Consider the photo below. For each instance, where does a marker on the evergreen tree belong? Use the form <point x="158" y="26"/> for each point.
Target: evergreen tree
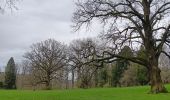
<point x="121" y="66"/>
<point x="142" y="71"/>
<point x="10" y="75"/>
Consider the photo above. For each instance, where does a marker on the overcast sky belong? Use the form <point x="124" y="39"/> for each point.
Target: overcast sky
<point x="36" y="20"/>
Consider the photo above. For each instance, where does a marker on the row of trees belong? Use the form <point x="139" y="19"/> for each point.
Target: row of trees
<point x="76" y="64"/>
<point x="51" y="59"/>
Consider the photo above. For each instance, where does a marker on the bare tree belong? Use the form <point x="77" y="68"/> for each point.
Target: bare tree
<point x="82" y="53"/>
<point x="131" y="22"/>
<point x="47" y="58"/>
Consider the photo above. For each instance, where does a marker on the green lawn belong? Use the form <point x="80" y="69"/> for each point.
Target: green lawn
<point x="130" y="93"/>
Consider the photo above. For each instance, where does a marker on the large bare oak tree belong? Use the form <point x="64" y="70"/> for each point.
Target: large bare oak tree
<point x="47" y="58"/>
<point x="132" y="22"/>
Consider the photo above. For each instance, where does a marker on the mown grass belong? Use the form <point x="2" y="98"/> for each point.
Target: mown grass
<point x="129" y="93"/>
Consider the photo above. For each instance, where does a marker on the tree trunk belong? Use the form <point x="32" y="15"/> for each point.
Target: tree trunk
<point x="157" y="85"/>
<point x="48" y="86"/>
<point x="67" y="81"/>
<point x="72" y="79"/>
<point x="78" y="83"/>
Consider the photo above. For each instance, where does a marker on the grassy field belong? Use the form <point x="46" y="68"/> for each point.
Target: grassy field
<point x="130" y="93"/>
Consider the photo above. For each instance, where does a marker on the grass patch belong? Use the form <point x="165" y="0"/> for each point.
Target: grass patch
<point x="128" y="93"/>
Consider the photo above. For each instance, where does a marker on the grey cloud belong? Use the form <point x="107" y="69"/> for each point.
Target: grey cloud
<point x="37" y="20"/>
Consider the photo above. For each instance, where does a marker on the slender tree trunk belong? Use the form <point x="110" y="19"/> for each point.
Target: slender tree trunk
<point x="67" y="81"/>
<point x="78" y="78"/>
<point x="72" y="78"/>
